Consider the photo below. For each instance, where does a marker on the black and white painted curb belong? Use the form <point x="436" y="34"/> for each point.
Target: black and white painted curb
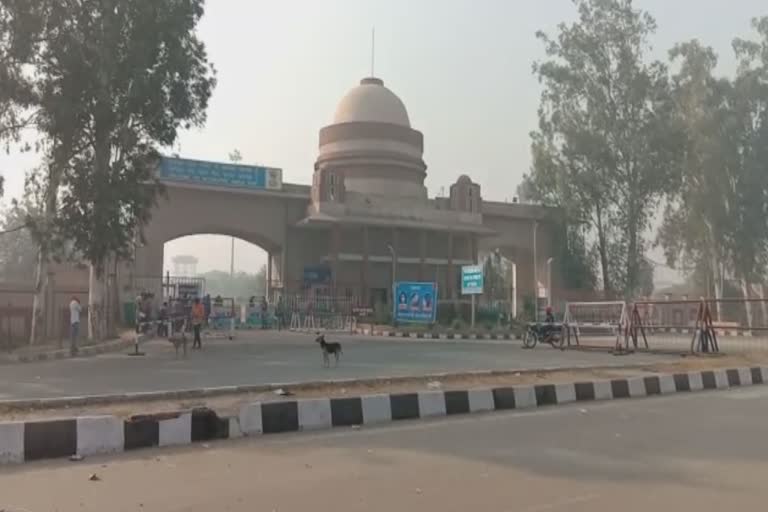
<point x="96" y="435"/>
<point x="495" y="335"/>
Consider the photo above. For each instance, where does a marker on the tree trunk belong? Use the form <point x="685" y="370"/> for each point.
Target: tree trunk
<point x="603" y="249"/>
<point x="763" y="305"/>
<point x="747" y="305"/>
<point x="97" y="293"/>
<point x="39" y="312"/>
<point x="45" y="232"/>
<point x="717" y="279"/>
<point x="632" y="261"/>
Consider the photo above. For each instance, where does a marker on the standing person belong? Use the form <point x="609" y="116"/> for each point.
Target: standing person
<point x="139" y="308"/>
<point x="74" y="324"/>
<point x="162" y="318"/>
<point x="198" y="317"/>
<point x="207" y="306"/>
<point x="264" y="312"/>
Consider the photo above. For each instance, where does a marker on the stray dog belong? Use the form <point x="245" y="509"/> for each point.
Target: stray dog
<point x="328" y="349"/>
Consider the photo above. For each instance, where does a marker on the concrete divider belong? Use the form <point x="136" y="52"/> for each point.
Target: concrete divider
<point x="175" y="431"/>
<point x="431" y="404"/>
<point x="480" y="400"/>
<point x="314" y="414"/>
<point x="525" y="397"/>
<point x="721" y="379"/>
<point x="249" y="420"/>
<point x="99" y="435"/>
<point x="11" y="442"/>
<point x="89" y="435"/>
<point x="603" y="390"/>
<point x="376" y="409"/>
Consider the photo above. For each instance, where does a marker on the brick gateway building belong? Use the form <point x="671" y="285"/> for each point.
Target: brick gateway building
<point x="366" y="216"/>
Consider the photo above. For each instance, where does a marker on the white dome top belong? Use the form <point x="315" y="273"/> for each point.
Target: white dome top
<point x="373" y="103"/>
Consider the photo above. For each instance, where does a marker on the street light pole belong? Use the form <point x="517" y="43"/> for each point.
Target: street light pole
<point x="549" y="281"/>
<point x="535" y="274"/>
<point x="393" y="254"/>
<point x="232" y="259"/>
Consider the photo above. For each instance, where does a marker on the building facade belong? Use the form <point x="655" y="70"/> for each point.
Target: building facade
<point x="365" y="221"/>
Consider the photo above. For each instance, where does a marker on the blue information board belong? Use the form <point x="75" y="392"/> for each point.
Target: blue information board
<point x="472" y="280"/>
<point x="317" y="275"/>
<point x="415" y="303"/>
<point x="220" y="174"/>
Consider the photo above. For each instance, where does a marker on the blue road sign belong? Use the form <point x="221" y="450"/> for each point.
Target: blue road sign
<point x="220" y="174"/>
<point x="472" y="280"/>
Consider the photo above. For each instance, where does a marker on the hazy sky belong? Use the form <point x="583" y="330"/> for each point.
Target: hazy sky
<point x="462" y="67"/>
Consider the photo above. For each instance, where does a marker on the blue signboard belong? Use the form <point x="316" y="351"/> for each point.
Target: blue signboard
<point x="219" y="174"/>
<point x="415" y="303"/>
<point x="472" y="280"/>
<point x="317" y="275"/>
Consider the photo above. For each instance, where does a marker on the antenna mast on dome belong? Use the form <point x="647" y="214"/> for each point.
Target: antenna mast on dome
<point x="373" y="51"/>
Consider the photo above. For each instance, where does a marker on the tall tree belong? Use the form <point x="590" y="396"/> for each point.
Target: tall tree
<point x="20" y="28"/>
<point x="18" y="250"/>
<point x="24" y="91"/>
<point x="119" y="79"/>
<point x="606" y="145"/>
<point x="697" y="219"/>
<point x="749" y="236"/>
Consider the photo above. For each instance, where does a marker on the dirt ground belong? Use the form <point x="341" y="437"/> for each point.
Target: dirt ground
<point x="230" y="404"/>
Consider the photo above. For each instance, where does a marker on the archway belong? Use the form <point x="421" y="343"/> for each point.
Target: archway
<point x="230" y="266"/>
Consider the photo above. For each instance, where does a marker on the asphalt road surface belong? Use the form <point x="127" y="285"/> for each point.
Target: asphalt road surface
<point x="702" y="452"/>
<point x="264" y="358"/>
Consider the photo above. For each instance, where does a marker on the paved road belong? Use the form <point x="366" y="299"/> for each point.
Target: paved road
<point x="704" y="452"/>
<point x="260" y="358"/>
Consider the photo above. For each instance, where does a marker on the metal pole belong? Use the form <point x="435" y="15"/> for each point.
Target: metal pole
<point x="549" y="282"/>
<point x="232" y="259"/>
<point x="473" y="311"/>
<point x="394" y="279"/>
<point x="394" y="262"/>
<point x="535" y="275"/>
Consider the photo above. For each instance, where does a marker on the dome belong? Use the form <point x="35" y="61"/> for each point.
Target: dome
<point x="371" y="102"/>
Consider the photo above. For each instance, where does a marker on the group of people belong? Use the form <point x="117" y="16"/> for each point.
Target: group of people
<point x="197" y="310"/>
<point x="280" y="312"/>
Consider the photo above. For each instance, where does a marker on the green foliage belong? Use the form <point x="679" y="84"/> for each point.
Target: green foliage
<point x="575" y="263"/>
<point x="716" y="218"/>
<point x="20" y="25"/>
<point x="241" y="287"/>
<point x="529" y="309"/>
<point x="606" y="149"/>
<point x="18" y="251"/>
<point x="112" y="82"/>
<point x="497" y="278"/>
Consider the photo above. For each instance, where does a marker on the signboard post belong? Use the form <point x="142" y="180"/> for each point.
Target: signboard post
<point x="472" y="284"/>
<point x="415" y="303"/>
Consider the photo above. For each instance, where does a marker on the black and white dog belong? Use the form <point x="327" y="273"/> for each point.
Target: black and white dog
<point x="328" y="349"/>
